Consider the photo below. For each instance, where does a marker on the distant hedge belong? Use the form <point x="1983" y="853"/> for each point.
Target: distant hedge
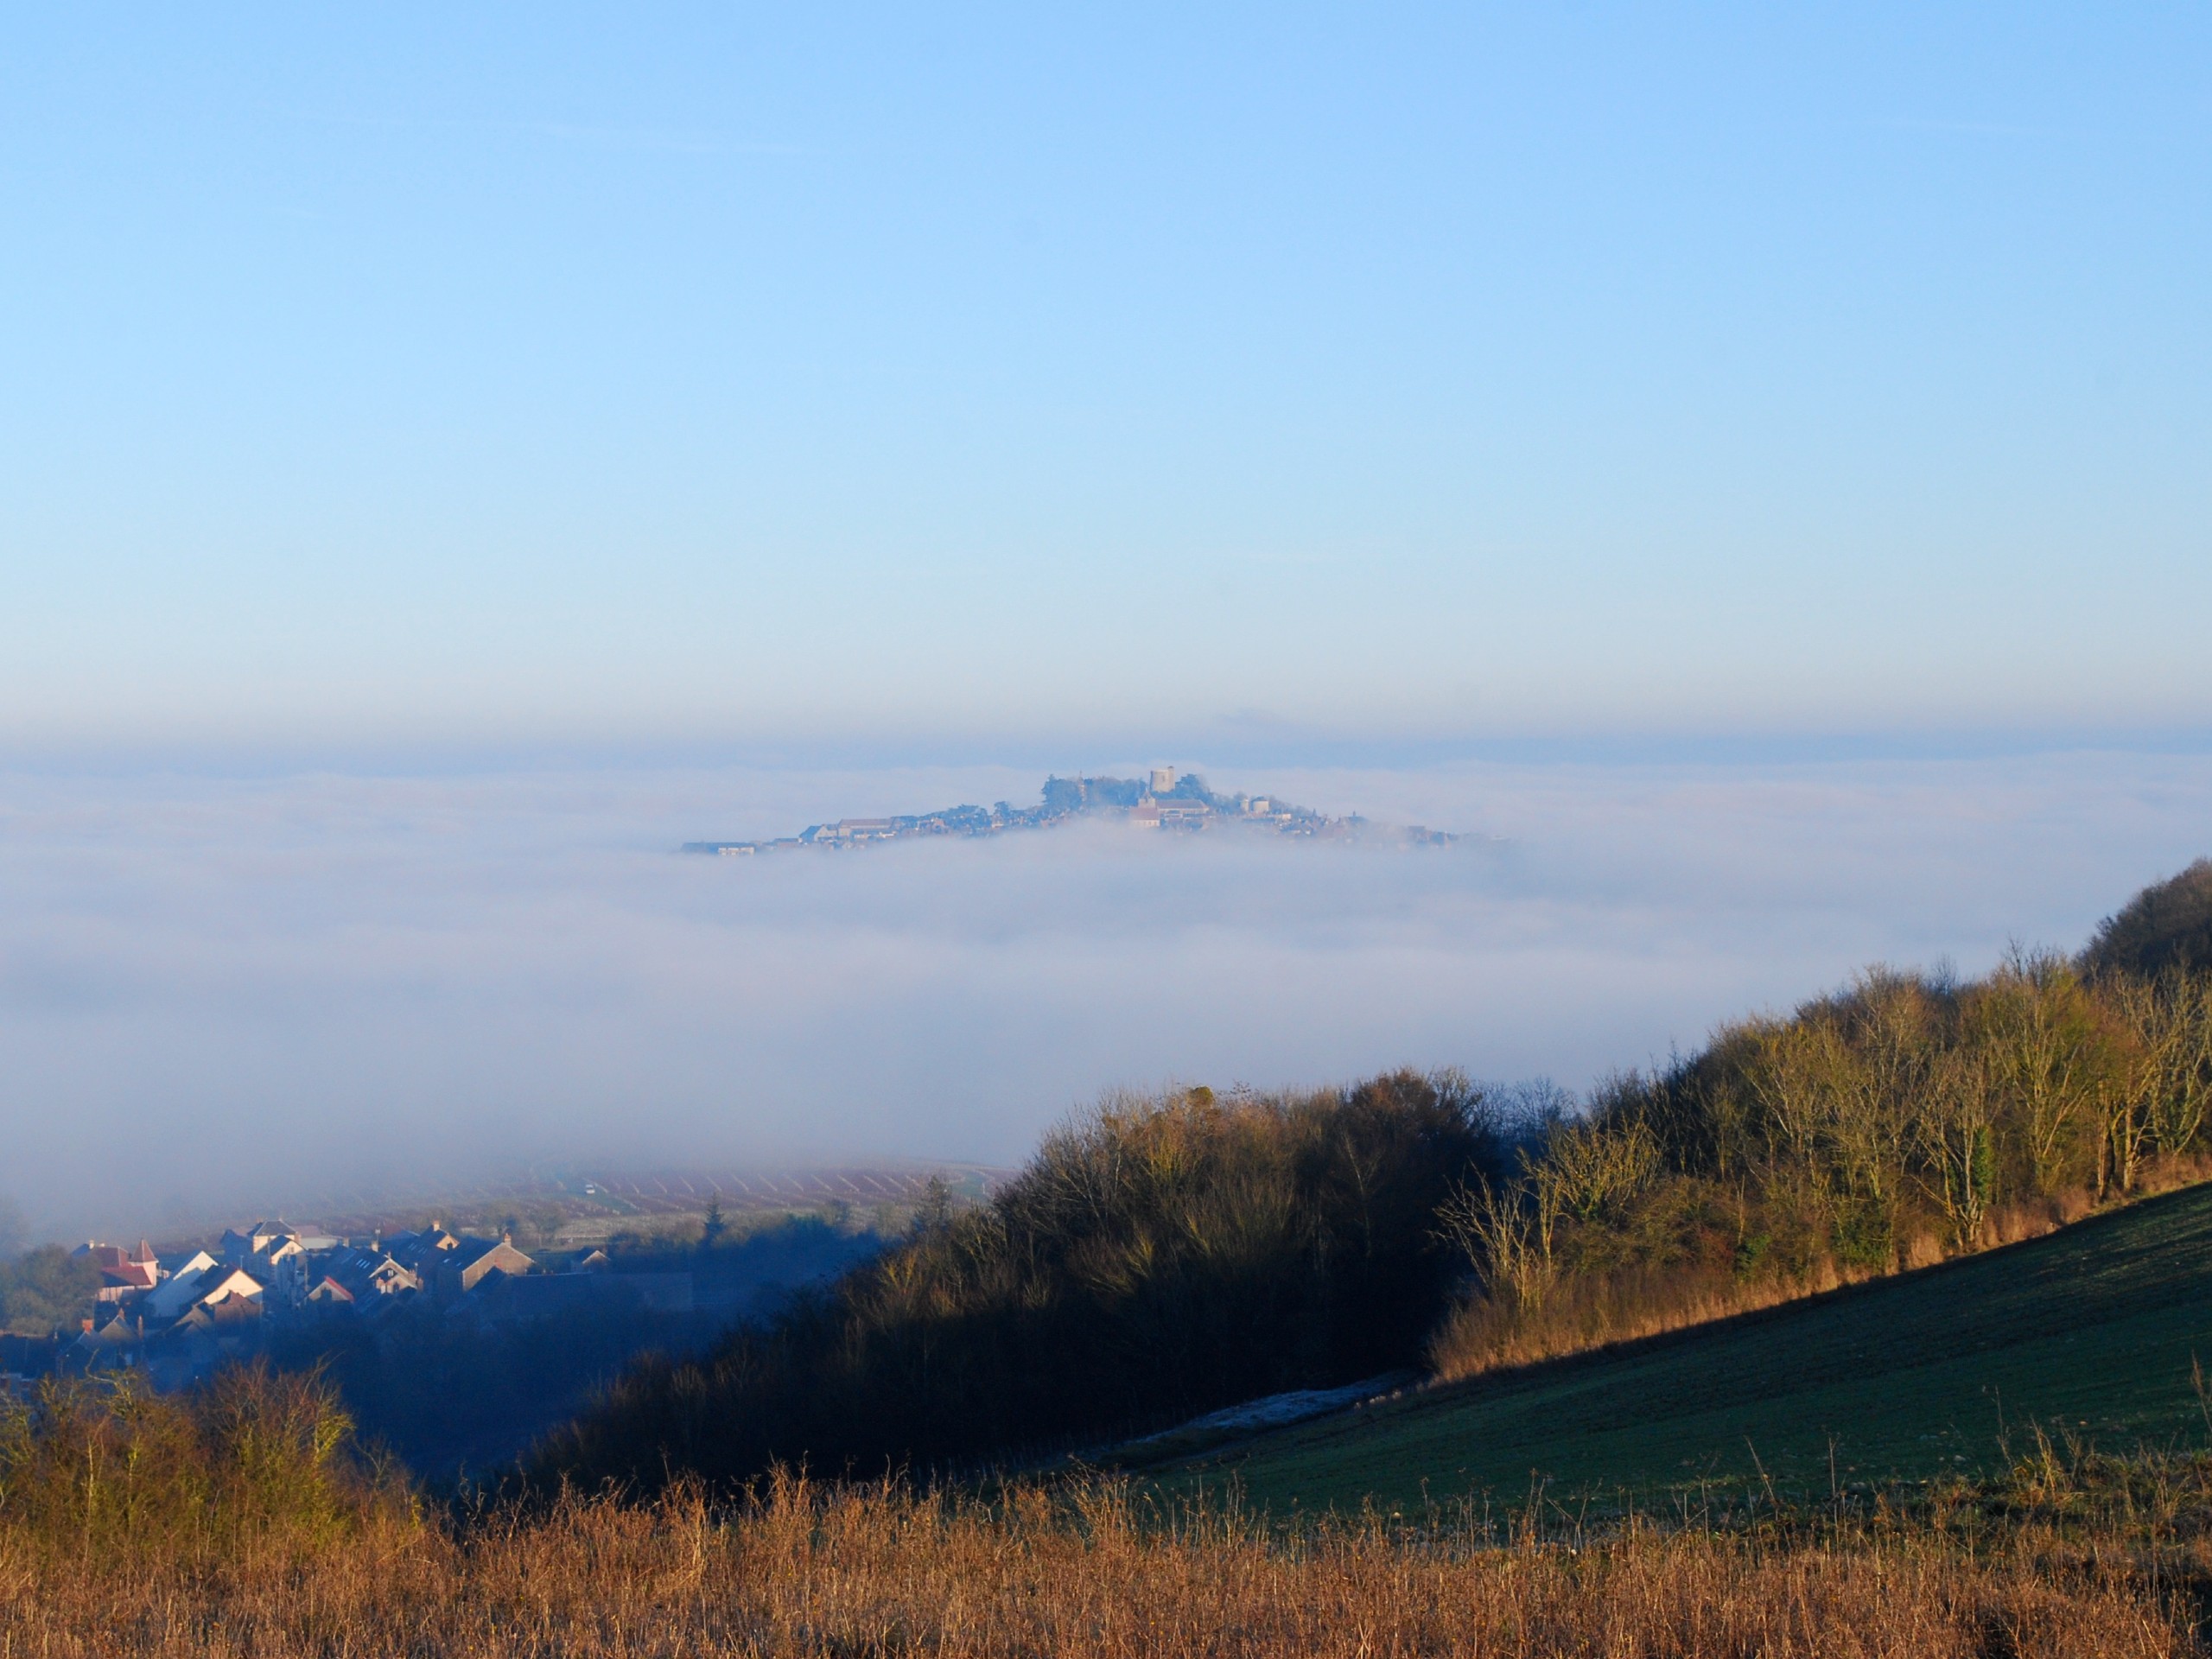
<point x="2166" y="925"/>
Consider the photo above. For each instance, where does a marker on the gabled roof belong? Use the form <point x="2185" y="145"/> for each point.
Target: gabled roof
<point x="220" y="1285"/>
<point x="479" y="1258"/>
<point x="470" y="1251"/>
<point x="232" y="1309"/>
<point x="263" y="1229"/>
<point x="419" y="1249"/>
<point x="359" y="1272"/>
<point x="121" y="1331"/>
<point x="116" y="1265"/>
<point x="181" y="1288"/>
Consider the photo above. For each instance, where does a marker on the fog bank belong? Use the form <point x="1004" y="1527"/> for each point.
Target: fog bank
<point x="225" y="991"/>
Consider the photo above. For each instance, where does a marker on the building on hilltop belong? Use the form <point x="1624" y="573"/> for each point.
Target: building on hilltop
<point x="219" y="1285"/>
<point x="1173" y="813"/>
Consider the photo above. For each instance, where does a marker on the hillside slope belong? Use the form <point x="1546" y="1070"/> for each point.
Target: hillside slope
<point x="1154" y="1259"/>
<point x="2094" y="1327"/>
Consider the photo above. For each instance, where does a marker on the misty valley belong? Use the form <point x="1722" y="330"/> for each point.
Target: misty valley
<point x="1133" y="832"/>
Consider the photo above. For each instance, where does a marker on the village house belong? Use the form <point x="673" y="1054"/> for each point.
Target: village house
<point x="124" y="1276"/>
<point x="358" y="1277"/>
<point x="175" y="1292"/>
<point x="231" y="1290"/>
<point x="477" y="1259"/>
<point x="179" y="1317"/>
<point x="240" y="1243"/>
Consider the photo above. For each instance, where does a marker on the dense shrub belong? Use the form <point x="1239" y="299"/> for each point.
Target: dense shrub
<point x="45" y="1290"/>
<point x="1157" y="1259"/>
<point x="105" y="1468"/>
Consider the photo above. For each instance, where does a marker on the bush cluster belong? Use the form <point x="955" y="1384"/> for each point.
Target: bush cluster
<point x="46" y="1289"/>
<point x="105" y="1469"/>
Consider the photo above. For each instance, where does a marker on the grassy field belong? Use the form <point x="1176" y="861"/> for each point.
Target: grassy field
<point x="2092" y="1329"/>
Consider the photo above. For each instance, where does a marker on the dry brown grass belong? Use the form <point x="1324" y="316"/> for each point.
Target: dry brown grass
<point x="235" y="1523"/>
<point x="1579" y="1314"/>
<point x="1083" y="1571"/>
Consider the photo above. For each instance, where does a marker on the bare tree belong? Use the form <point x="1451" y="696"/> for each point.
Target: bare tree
<point x="1790" y="1075"/>
<point x="2033" y="1021"/>
<point x="1589" y="1168"/>
<point x="1880" y="1080"/>
<point x="2129" y="1102"/>
<point x="1955" y="1142"/>
<point x="2182" y="1015"/>
<point x="1507" y="1232"/>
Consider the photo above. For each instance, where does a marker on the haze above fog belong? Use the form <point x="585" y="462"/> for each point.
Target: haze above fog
<point x="243" y="990"/>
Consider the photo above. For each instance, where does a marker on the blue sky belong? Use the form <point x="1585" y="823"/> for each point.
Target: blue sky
<point x="418" y="376"/>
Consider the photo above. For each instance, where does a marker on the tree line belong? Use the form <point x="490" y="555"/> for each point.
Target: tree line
<point x="1906" y="1118"/>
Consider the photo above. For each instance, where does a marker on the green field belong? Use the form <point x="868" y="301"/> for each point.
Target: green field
<point x="2093" y="1328"/>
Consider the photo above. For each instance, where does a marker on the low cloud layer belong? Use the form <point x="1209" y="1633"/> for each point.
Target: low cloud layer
<point x="235" y="991"/>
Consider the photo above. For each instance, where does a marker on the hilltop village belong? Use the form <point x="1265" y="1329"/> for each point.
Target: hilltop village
<point x="1166" y="800"/>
